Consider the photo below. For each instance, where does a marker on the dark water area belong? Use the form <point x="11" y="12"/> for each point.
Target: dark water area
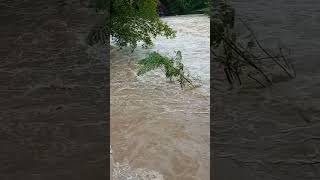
<point x="53" y="93"/>
<point x="273" y="133"/>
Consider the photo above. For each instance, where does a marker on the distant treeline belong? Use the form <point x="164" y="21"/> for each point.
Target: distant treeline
<point x="180" y="7"/>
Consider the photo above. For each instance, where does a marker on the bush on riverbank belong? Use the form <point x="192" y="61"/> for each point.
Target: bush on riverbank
<point x="180" y="7"/>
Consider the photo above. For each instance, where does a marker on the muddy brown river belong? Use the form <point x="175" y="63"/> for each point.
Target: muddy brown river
<point x="154" y="124"/>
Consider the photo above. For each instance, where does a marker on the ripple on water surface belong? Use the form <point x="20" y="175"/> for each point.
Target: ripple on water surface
<point x="156" y="125"/>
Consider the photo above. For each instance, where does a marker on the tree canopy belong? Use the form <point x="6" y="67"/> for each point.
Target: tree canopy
<point x="136" y="20"/>
<point x="132" y="21"/>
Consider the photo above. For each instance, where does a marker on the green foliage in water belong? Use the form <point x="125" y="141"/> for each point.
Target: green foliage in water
<point x="173" y="67"/>
<point x="155" y="60"/>
<point x="133" y="21"/>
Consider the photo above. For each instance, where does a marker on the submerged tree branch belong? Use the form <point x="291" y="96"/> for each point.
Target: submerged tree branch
<point x="240" y="61"/>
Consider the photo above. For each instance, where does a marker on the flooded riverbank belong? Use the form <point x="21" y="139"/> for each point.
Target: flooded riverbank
<point x="155" y="124"/>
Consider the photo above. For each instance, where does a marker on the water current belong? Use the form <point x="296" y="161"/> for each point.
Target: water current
<point x="155" y="124"/>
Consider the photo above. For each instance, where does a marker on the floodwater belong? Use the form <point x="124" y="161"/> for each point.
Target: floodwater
<point x="154" y="124"/>
<point x="273" y="133"/>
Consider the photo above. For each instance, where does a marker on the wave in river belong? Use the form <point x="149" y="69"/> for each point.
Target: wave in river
<point x="155" y="124"/>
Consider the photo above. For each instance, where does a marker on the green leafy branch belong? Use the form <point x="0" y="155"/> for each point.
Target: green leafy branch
<point x="129" y="22"/>
<point x="173" y="68"/>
